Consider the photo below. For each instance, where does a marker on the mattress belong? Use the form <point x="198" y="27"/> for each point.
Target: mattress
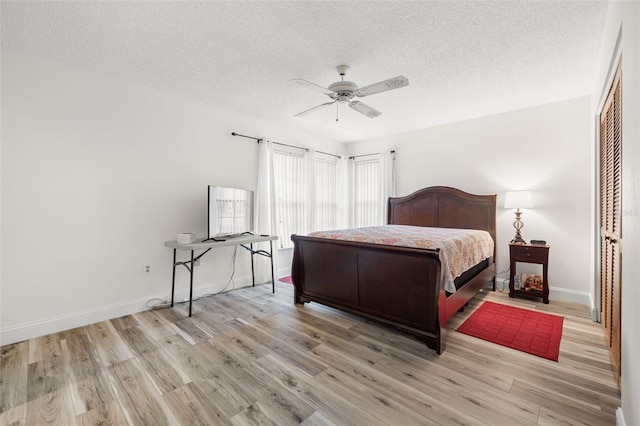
<point x="459" y="249"/>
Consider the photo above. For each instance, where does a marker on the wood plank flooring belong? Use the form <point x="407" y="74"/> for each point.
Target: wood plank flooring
<point x="251" y="357"/>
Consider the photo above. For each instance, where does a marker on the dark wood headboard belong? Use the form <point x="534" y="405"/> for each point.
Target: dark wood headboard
<point x="444" y="207"/>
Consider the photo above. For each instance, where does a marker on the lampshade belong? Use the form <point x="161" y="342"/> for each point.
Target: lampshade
<point x="518" y="200"/>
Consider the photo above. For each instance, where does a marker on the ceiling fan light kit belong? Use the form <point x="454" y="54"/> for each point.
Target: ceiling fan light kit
<point x="344" y="91"/>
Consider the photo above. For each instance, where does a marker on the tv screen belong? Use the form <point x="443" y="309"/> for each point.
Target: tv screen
<point x="230" y="211"/>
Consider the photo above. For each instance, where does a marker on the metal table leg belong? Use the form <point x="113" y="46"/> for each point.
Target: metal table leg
<point x="273" y="282"/>
<point x="191" y="283"/>
<point x="173" y="280"/>
<point x="253" y="274"/>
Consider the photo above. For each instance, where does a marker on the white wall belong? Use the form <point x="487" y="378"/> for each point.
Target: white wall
<point x="96" y="175"/>
<point x="543" y="149"/>
<point x="621" y="39"/>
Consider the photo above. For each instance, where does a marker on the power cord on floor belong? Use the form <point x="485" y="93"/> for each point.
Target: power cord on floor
<point x="503" y="281"/>
<point x="163" y="303"/>
<point x="231" y="281"/>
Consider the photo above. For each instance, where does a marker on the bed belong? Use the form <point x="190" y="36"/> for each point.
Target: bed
<point x="396" y="285"/>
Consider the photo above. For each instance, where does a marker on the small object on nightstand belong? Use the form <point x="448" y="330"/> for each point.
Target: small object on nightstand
<point x="538" y="242"/>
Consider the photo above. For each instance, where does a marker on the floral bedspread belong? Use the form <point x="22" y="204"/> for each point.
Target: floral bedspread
<point x="460" y="249"/>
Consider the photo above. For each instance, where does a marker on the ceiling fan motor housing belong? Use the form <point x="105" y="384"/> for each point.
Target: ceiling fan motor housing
<point x="344" y="91"/>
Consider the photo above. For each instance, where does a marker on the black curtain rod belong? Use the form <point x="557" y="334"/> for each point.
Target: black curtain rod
<point x="244" y="136"/>
<point x="366" y="155"/>
<point x="283" y="144"/>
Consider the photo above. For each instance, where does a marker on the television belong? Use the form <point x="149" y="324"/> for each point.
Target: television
<point x="230" y="212"/>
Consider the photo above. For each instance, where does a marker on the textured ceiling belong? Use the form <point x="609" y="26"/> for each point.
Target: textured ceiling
<point x="463" y="59"/>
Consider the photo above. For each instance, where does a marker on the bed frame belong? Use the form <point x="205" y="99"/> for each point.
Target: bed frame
<point x="396" y="286"/>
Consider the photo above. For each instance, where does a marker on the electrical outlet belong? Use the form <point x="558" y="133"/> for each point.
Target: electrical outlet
<point x="146" y="269"/>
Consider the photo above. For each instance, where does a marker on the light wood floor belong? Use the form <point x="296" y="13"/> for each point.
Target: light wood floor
<point x="251" y="357"/>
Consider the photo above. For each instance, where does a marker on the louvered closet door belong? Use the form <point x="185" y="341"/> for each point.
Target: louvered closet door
<point x="610" y="217"/>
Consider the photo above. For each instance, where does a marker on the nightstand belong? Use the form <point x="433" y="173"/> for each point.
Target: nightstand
<point x="529" y="253"/>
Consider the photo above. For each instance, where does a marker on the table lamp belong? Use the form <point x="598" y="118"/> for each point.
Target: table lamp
<point x="517" y="200"/>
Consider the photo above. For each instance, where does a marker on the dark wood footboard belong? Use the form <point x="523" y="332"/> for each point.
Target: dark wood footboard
<point x="397" y="286"/>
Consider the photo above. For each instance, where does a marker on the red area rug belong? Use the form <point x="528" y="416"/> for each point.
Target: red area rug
<point x="527" y="331"/>
<point x="286" y="280"/>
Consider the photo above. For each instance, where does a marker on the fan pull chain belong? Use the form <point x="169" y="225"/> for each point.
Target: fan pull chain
<point x="338" y="103"/>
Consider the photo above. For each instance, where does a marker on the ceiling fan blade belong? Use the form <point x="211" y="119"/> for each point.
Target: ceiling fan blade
<point x="364" y="109"/>
<point x="383" y="86"/>
<point x="314" y="108"/>
<point x="312" y="86"/>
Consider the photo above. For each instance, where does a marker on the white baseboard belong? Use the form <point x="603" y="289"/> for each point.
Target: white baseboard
<point x="620" y="417"/>
<point x="43" y="327"/>
<point x="557" y="293"/>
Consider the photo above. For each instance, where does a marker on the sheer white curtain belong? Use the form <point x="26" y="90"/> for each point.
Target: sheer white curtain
<point x="373" y="184"/>
<point x="342" y="192"/>
<point x="387" y="180"/>
<point x="330" y="206"/>
<point x="310" y="159"/>
<point x="291" y="190"/>
<point x="366" y="193"/>
<point x="299" y="193"/>
<point x="265" y="210"/>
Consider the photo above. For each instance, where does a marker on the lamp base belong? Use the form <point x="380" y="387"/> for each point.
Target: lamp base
<point x="518" y="225"/>
<point x="518" y="240"/>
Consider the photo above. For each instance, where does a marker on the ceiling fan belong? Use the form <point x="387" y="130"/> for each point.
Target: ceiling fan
<point x="344" y="91"/>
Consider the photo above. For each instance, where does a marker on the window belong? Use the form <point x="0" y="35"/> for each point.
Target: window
<point x="310" y="193"/>
<point x="373" y="184"/>
<point x="326" y="195"/>
<point x="367" y="195"/>
<point x="301" y="191"/>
